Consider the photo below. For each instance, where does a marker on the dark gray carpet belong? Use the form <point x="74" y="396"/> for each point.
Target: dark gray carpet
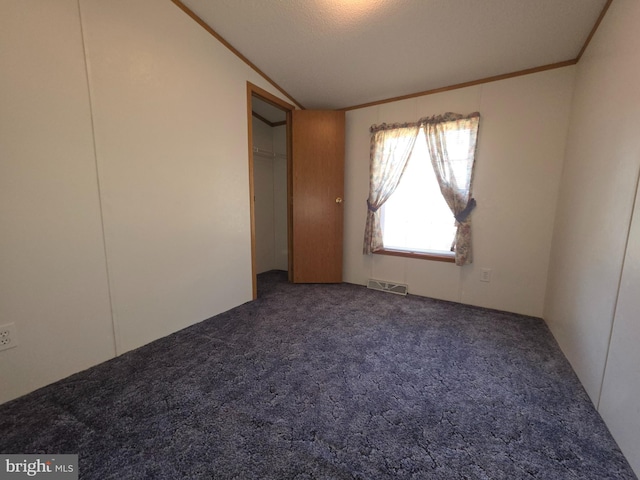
<point x="332" y="382"/>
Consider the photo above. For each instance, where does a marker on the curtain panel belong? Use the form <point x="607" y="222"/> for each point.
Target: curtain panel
<point x="390" y="149"/>
<point x="455" y="181"/>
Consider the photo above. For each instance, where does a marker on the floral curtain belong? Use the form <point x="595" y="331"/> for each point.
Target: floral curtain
<point x="455" y="177"/>
<point x="390" y="149"/>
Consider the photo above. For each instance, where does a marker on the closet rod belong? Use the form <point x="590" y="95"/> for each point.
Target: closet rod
<point x="266" y="153"/>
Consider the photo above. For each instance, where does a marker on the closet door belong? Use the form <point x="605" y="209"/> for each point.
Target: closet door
<point x="620" y="400"/>
<point x="317" y="190"/>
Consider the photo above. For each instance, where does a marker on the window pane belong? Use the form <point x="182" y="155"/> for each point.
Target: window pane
<point x="458" y="149"/>
<point x="416" y="218"/>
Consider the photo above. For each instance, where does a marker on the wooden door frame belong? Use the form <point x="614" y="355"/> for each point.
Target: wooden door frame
<point x="253" y="91"/>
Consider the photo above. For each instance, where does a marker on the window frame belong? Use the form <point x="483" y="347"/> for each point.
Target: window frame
<point x="438" y="257"/>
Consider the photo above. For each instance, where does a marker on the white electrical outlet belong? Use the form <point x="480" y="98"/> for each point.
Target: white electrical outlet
<point x="8" y="337"/>
<point x="485" y="275"/>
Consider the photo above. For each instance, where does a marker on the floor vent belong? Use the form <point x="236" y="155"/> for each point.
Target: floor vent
<point x="397" y="288"/>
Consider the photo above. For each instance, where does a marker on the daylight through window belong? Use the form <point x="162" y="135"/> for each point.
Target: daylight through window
<point x="416" y="218"/>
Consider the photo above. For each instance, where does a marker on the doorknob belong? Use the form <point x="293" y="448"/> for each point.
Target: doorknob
<point x="338" y="200"/>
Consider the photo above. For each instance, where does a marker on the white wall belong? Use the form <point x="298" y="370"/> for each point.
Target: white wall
<point x="53" y="281"/>
<point x="594" y="209"/>
<point x="270" y="187"/>
<point x="619" y="403"/>
<point x="168" y="103"/>
<point x="521" y="145"/>
<point x="263" y="186"/>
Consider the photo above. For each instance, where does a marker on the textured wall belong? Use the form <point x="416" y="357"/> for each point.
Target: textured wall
<point x="594" y="211"/>
<point x="518" y="168"/>
<point x="596" y="195"/>
<point x="168" y="105"/>
<point x="53" y="279"/>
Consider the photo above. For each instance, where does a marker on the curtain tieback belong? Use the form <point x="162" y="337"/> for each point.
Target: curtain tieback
<point x="462" y="216"/>
<point x="371" y="207"/>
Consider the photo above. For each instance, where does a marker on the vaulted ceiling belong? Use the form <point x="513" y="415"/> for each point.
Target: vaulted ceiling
<point x="342" y="53"/>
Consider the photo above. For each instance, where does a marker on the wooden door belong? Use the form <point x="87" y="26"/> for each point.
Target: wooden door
<point x="317" y="190"/>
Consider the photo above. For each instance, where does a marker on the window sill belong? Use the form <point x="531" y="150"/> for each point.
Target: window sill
<point x="438" y="257"/>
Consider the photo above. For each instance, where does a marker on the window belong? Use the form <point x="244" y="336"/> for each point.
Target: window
<point x="419" y="201"/>
<point x="416" y="217"/>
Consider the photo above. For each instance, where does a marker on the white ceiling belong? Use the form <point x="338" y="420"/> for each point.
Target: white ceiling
<point x="340" y="53"/>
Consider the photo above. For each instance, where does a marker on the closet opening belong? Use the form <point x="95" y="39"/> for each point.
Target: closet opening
<point x="269" y="127"/>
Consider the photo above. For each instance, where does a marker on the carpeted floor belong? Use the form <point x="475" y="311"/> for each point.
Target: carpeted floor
<point x="328" y="382"/>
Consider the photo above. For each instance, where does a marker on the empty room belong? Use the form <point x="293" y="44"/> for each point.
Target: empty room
<point x="337" y="239"/>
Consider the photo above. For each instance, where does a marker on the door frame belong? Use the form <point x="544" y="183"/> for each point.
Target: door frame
<point x="253" y="91"/>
